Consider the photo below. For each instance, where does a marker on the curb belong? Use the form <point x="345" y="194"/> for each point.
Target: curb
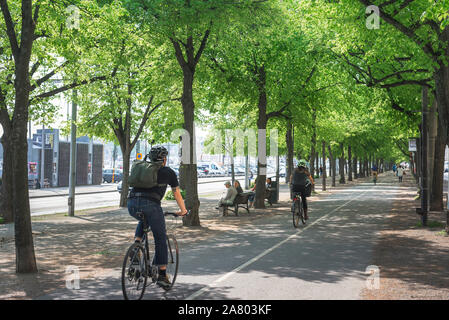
<point x="66" y="194"/>
<point x="95" y="192"/>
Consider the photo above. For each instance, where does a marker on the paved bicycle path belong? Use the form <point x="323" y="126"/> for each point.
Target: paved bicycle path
<point x="269" y="259"/>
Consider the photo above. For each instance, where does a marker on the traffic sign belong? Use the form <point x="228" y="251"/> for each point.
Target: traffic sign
<point x="412" y="145"/>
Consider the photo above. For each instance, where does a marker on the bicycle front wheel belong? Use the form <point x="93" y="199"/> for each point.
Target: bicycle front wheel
<point x="173" y="260"/>
<point x="134" y="273"/>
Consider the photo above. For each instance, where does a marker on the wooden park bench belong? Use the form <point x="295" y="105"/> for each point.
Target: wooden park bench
<point x="240" y="201"/>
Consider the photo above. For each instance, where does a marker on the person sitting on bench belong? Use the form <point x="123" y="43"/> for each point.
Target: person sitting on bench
<point x="230" y="195"/>
<point x="238" y="187"/>
<point x="252" y="194"/>
<point x="268" y="190"/>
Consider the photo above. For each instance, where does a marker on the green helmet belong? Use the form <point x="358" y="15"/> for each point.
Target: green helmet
<point x="302" y="163"/>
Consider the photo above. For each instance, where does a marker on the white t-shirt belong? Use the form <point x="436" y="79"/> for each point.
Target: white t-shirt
<point x="400" y="172"/>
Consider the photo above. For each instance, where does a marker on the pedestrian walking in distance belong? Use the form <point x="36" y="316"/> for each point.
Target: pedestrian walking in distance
<point x="400" y="173"/>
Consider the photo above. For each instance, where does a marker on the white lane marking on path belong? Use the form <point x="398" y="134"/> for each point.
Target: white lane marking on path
<point x="231" y="273"/>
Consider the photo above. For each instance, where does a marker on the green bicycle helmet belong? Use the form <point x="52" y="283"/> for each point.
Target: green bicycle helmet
<point x="302" y="163"/>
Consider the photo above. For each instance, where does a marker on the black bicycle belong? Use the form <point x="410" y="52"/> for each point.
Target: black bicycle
<point x="298" y="210"/>
<point x="139" y="270"/>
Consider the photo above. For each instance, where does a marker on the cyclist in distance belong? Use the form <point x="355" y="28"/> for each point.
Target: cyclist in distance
<point x="148" y="201"/>
<point x="374" y="171"/>
<point x="299" y="180"/>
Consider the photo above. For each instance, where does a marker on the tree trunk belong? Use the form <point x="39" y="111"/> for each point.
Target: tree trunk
<point x="323" y="187"/>
<point x="441" y="77"/>
<point x="125" y="185"/>
<point x="342" y="164"/>
<point x="362" y="168"/>
<point x="191" y="178"/>
<point x="25" y="257"/>
<point x="313" y="146"/>
<point x="366" y="166"/>
<point x="290" y="147"/>
<point x="262" y="126"/>
<point x="333" y="165"/>
<point x="432" y="130"/>
<point x="313" y="152"/>
<point x="418" y="159"/>
<point x="188" y="171"/>
<point x="354" y="167"/>
<point x="125" y="145"/>
<point x="6" y="209"/>
<point x="436" y="197"/>
<point x="349" y="164"/>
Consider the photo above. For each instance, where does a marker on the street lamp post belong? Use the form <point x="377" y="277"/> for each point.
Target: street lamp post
<point x="43" y="157"/>
<point x="247" y="172"/>
<point x="424" y="134"/>
<point x="72" y="176"/>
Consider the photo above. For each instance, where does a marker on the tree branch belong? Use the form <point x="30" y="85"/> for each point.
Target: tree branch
<point x="10" y="29"/>
<point x="47" y="76"/>
<point x="399" y="73"/>
<point x="34" y="68"/>
<point x="4" y="115"/>
<point x="178" y="53"/>
<point x="36" y="12"/>
<point x="280" y="112"/>
<point x="404" y="29"/>
<point x="423" y="82"/>
<point x="202" y="46"/>
<point x="144" y="120"/>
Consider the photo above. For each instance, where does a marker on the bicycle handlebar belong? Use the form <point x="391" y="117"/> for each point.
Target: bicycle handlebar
<point x="176" y="215"/>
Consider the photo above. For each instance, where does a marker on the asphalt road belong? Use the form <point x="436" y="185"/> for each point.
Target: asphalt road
<point x="58" y="204"/>
<point x="269" y="259"/>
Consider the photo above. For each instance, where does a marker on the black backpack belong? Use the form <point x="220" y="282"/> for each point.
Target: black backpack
<point x="300" y="179"/>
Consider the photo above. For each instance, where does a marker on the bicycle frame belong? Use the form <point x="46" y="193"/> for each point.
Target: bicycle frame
<point x="146" y="244"/>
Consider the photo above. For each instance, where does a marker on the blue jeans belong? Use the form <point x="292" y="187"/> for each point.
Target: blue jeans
<point x="154" y="218"/>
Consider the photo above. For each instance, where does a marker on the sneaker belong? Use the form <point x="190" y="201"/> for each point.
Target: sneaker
<point x="163" y="281"/>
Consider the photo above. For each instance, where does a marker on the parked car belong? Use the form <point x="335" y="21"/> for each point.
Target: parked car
<point x="238" y="171"/>
<point x="205" y="168"/>
<point x="214" y="172"/>
<point x="282" y="172"/>
<point x="222" y="172"/>
<point x="119" y="187"/>
<point x="201" y="172"/>
<point x="108" y="173"/>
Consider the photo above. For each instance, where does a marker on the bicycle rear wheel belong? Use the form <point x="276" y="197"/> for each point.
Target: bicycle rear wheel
<point x="134" y="273"/>
<point x="173" y="260"/>
<point x="296" y="212"/>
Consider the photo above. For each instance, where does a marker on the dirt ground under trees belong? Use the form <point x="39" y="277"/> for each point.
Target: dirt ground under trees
<point x="413" y="260"/>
